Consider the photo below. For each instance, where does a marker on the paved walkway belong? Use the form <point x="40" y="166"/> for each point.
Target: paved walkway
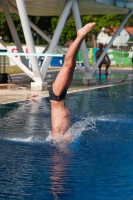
<point x="18" y="90"/>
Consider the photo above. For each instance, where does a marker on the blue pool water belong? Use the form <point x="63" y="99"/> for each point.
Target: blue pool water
<point x="98" y="165"/>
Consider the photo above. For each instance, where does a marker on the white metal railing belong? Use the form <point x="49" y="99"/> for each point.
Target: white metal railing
<point x="116" y="56"/>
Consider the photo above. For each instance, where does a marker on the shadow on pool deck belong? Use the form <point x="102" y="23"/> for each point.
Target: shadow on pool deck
<point x="19" y="90"/>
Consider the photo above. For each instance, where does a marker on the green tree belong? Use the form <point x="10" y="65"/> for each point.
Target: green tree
<point x="48" y="25"/>
<point x="101" y="21"/>
<point x="44" y="23"/>
<point x="4" y="29"/>
<point x="68" y="30"/>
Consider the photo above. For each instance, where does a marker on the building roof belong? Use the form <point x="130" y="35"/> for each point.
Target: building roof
<point x="55" y="7"/>
<point x="129" y="29"/>
<point x="111" y="31"/>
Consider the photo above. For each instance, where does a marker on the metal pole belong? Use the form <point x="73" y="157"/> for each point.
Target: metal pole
<point x="34" y="27"/>
<point x="0" y="64"/>
<point x="44" y="51"/>
<point x="41" y="33"/>
<point x="13" y="32"/>
<point x="56" y="36"/>
<point x="28" y="37"/>
<point x="78" y="23"/>
<point x="111" y="41"/>
<point x="4" y="63"/>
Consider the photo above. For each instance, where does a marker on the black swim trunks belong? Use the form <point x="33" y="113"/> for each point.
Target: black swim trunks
<point x="104" y="61"/>
<point x="54" y="97"/>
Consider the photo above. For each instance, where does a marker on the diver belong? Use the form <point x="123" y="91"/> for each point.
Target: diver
<point x="60" y="115"/>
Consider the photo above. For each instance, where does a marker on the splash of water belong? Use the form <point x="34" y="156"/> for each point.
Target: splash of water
<point x="76" y="129"/>
<point x="17" y="139"/>
<point x="88" y="123"/>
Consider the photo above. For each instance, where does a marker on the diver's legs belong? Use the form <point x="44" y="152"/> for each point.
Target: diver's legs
<point x="64" y="77"/>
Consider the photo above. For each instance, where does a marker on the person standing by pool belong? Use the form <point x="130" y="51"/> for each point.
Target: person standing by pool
<point x="60" y="115"/>
<point x="106" y="59"/>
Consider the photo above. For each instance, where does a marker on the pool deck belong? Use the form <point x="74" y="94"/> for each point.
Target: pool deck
<point x="19" y="90"/>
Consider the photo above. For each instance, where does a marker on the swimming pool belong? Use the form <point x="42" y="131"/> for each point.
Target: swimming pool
<point x="98" y="164"/>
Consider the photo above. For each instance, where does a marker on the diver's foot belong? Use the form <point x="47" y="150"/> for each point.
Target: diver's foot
<point x="86" y="29"/>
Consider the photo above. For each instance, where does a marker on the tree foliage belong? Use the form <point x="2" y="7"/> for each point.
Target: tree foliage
<point x="48" y="26"/>
<point x="69" y="30"/>
<point x="44" y="23"/>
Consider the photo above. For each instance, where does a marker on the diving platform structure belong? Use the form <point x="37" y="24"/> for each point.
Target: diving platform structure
<point x="62" y="8"/>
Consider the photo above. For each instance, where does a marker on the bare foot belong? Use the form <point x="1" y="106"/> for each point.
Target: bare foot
<point x="86" y="29"/>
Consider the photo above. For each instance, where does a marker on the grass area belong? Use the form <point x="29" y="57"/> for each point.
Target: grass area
<point x="13" y="70"/>
<point x="17" y="70"/>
